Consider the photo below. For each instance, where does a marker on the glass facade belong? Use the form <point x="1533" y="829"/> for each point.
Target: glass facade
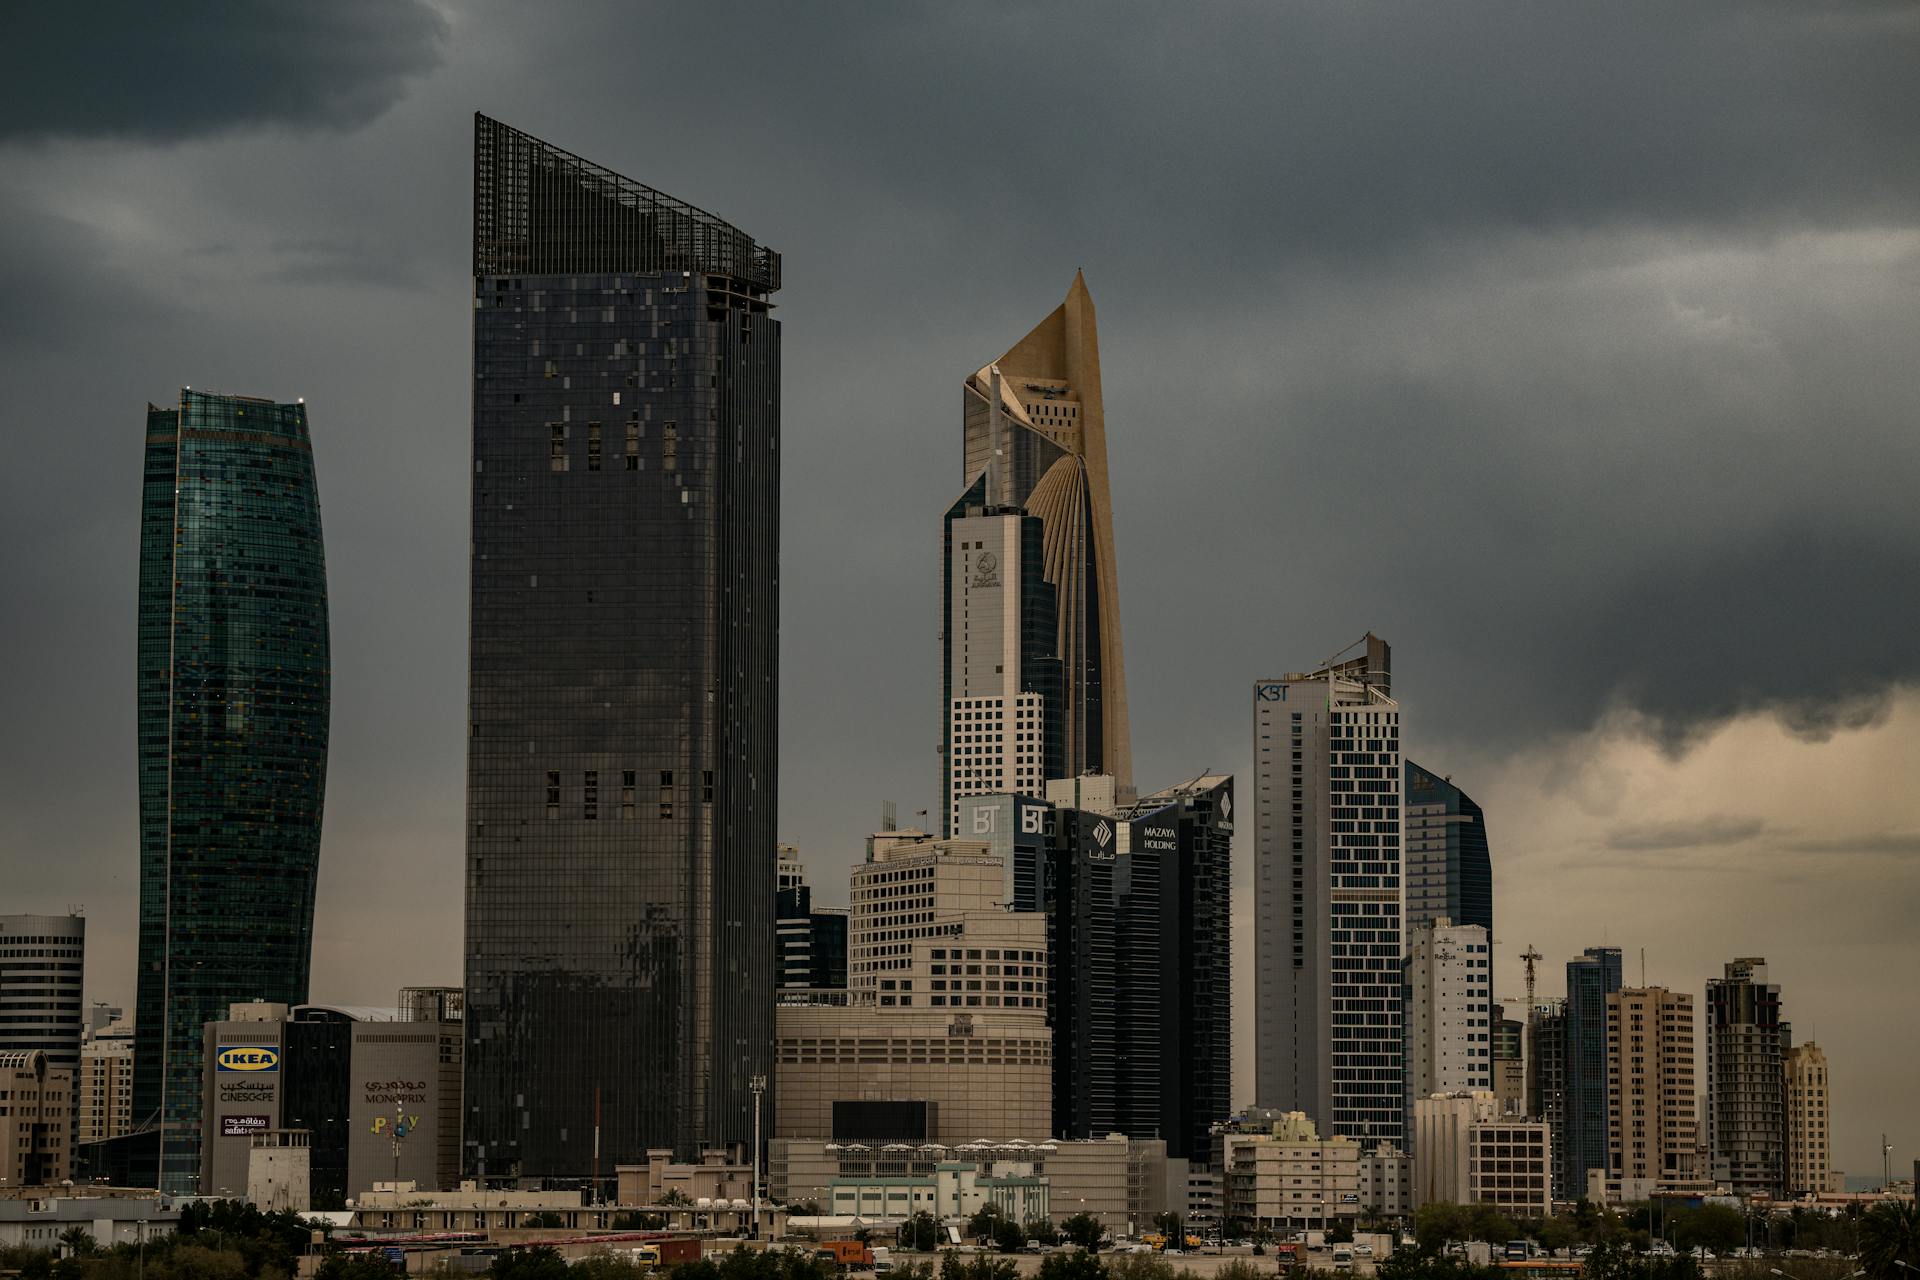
<point x="623" y="684"/>
<point x="234" y="680"/>
<point x="1591" y="977"/>
<point x="1139" y="983"/>
<point x="1449" y="866"/>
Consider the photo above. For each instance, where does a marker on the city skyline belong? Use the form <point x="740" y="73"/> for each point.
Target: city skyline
<point x="1637" y="386"/>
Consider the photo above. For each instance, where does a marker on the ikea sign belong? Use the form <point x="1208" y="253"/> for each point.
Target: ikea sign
<point x="247" y="1057"/>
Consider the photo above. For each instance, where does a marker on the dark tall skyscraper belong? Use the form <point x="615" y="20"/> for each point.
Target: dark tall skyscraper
<point x="1746" y="1078"/>
<point x="1547" y="1079"/>
<point x="1449" y="868"/>
<point x="622" y="706"/>
<point x="234" y="679"/>
<point x="1591" y="977"/>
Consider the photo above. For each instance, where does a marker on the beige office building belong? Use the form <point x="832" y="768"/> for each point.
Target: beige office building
<point x="1810" y="1168"/>
<point x="104" y="1090"/>
<point x="36" y="1117"/>
<point x="944" y="1036"/>
<point x="1652" y="1124"/>
<point x="1467" y="1152"/>
<point x="1279" y="1174"/>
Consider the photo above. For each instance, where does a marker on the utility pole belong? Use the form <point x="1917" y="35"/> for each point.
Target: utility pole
<point x="759" y="1086"/>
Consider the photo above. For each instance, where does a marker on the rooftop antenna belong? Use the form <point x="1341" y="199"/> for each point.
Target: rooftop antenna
<point x="889" y="820"/>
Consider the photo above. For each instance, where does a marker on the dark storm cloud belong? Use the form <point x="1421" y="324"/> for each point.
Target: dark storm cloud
<point x="126" y="69"/>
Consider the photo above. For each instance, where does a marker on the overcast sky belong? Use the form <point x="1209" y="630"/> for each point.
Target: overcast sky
<point x="1574" y="349"/>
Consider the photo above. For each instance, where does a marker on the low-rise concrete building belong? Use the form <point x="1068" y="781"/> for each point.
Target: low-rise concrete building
<point x="280" y="1171"/>
<point x="1386" y="1182"/>
<point x="1123" y="1182"/>
<point x="954" y="1190"/>
<point x="1467" y="1152"/>
<point x="1279" y="1174"/>
<point x="662" y="1179"/>
<point x="37" y="1222"/>
<point x="403" y="1207"/>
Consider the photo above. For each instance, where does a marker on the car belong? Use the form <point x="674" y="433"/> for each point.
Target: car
<point x="1363" y="1251"/>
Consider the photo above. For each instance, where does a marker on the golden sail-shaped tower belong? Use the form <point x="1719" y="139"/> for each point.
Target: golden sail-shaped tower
<point x="1036" y="440"/>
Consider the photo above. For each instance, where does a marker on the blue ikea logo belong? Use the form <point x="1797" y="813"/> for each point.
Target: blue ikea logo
<point x="250" y="1057"/>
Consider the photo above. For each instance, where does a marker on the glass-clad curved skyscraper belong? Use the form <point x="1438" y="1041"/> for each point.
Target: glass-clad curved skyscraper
<point x="623" y="692"/>
<point x="234" y="680"/>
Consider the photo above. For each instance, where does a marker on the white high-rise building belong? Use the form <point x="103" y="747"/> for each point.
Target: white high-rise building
<point x="1328" y="872"/>
<point x="1449" y="1009"/>
<point x="1810" y="1168"/>
<point x="998" y="621"/>
<point x="44" y="965"/>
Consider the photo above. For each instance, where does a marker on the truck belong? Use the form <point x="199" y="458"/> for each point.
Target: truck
<point x="845" y="1254"/>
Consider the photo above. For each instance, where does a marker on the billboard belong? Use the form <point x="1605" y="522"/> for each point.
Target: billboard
<point x="241" y="1126"/>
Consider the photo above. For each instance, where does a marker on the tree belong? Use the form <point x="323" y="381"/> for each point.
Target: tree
<point x="981" y="1267"/>
<point x="674" y="1196"/>
<point x="77" y="1241"/>
<point x="529" y="1264"/>
<point x="1084" y="1230"/>
<point x="1718" y="1227"/>
<point x="355" y="1266"/>
<point x="1553" y="1234"/>
<point x="1421" y="1263"/>
<point x="1890" y="1231"/>
<point x="1042" y="1231"/>
<point x="1071" y="1264"/>
<point x="1485" y="1222"/>
<point x="1437" y="1224"/>
<point x="983" y="1223"/>
<point x="1340" y="1231"/>
<point x="1168" y="1224"/>
<point x="1008" y="1237"/>
<point x="543" y="1219"/>
<point x="920" y="1232"/>
<point x="1139" y="1266"/>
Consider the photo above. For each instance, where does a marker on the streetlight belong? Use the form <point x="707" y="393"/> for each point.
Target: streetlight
<point x="399" y="1116"/>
